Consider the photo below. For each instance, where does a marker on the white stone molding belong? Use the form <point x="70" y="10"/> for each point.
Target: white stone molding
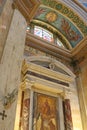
<point x="61" y="116"/>
<point x="48" y="59"/>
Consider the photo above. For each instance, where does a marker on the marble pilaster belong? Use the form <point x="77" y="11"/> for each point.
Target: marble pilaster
<point x="5" y="21"/>
<point x="82" y="101"/>
<point x="75" y="109"/>
<point x="31" y="109"/>
<point x="10" y="68"/>
<point x="61" y="116"/>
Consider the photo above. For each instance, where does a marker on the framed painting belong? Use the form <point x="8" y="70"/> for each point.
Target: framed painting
<point x="2" y="2"/>
<point x="45" y="115"/>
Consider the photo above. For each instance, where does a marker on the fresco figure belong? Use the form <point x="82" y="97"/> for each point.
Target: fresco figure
<point x="69" y="32"/>
<point x="47" y="117"/>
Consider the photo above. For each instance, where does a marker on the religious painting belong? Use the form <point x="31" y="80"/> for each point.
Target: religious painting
<point x="45" y="112"/>
<point x="51" y="16"/>
<point x="2" y="2"/>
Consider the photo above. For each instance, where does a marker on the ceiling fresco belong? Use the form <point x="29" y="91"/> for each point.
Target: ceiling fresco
<point x="69" y="13"/>
<point x="61" y="23"/>
<point x="63" y="19"/>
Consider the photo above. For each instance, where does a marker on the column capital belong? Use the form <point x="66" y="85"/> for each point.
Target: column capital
<point x="27" y="84"/>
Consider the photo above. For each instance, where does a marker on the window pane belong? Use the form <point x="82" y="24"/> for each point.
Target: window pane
<point x="47" y="35"/>
<point x="59" y="43"/>
<point x="43" y="33"/>
<point x="28" y="28"/>
<point x="38" y="31"/>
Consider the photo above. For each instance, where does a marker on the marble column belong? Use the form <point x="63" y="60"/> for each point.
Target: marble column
<point x="10" y="67"/>
<point x="61" y="116"/>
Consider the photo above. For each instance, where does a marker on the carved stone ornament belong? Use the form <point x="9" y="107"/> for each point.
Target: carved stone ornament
<point x="52" y="65"/>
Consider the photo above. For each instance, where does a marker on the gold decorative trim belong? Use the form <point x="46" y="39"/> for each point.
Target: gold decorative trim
<point x="69" y="13"/>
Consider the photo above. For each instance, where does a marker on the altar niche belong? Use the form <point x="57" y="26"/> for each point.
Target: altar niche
<point x="40" y="111"/>
<point x="46" y="95"/>
<point x="45" y="112"/>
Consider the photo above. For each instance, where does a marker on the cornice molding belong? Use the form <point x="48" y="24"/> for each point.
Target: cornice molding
<point x="45" y="46"/>
<point x="30" y="80"/>
<point x="48" y="72"/>
<point x="79" y="47"/>
<point x="79" y="53"/>
<point x="27" y="7"/>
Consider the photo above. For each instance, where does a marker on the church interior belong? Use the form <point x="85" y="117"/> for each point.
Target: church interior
<point x="43" y="64"/>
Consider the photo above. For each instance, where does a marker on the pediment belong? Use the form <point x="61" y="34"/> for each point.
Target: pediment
<point x="51" y="64"/>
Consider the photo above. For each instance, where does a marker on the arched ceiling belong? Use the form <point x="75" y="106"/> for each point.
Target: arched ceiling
<point x="65" y="18"/>
<point x="62" y="20"/>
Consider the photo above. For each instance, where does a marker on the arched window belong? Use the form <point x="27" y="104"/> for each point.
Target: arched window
<point x="43" y="33"/>
<point x="59" y="43"/>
